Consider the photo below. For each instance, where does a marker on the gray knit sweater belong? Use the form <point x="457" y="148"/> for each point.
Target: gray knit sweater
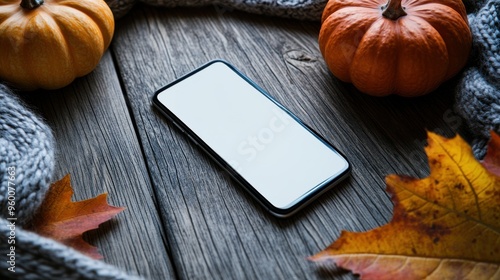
<point x="27" y="144"/>
<point x="478" y="92"/>
<point x="26" y="165"/>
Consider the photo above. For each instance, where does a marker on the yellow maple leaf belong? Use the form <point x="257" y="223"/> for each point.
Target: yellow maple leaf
<point x="65" y="221"/>
<point x="445" y="226"/>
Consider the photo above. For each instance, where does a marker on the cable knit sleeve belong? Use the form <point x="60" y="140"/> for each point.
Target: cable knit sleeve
<point x="478" y="92"/>
<point x="26" y="158"/>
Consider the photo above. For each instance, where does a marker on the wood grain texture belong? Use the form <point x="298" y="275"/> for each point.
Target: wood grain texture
<point x="186" y="218"/>
<point x="97" y="144"/>
<point x="214" y="229"/>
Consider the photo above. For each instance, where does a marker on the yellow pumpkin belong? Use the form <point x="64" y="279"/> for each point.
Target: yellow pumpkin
<point x="48" y="44"/>
<point x="404" y="47"/>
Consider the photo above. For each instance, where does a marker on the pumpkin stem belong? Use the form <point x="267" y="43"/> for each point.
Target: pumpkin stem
<point x="393" y="10"/>
<point x="31" y="4"/>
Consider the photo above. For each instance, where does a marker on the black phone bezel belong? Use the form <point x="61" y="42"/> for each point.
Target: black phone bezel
<point x="318" y="190"/>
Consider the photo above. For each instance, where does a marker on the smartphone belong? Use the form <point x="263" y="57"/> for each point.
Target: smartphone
<point x="278" y="159"/>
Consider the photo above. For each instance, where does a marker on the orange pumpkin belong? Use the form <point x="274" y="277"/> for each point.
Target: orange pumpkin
<point x="404" y="47"/>
<point x="47" y="45"/>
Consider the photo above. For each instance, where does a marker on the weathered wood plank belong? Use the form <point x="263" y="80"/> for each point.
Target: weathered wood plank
<point x="97" y="145"/>
<point x="214" y="227"/>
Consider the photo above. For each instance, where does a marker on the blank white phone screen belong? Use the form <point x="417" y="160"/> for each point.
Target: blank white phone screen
<point x="273" y="152"/>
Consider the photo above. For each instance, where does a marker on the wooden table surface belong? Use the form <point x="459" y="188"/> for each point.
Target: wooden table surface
<point x="185" y="217"/>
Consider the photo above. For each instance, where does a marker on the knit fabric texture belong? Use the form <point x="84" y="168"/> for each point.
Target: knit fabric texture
<point x="26" y="166"/>
<point x="478" y="92"/>
<point x="37" y="257"/>
<point x="27" y="148"/>
<point x="26" y="158"/>
<point x="297" y="9"/>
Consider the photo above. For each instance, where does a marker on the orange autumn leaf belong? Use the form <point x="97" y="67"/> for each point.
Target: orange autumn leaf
<point x="492" y="159"/>
<point x="65" y="221"/>
<point x="445" y="226"/>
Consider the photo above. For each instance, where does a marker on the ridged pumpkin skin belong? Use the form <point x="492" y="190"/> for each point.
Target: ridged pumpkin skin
<point x="49" y="46"/>
<point x="409" y="56"/>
